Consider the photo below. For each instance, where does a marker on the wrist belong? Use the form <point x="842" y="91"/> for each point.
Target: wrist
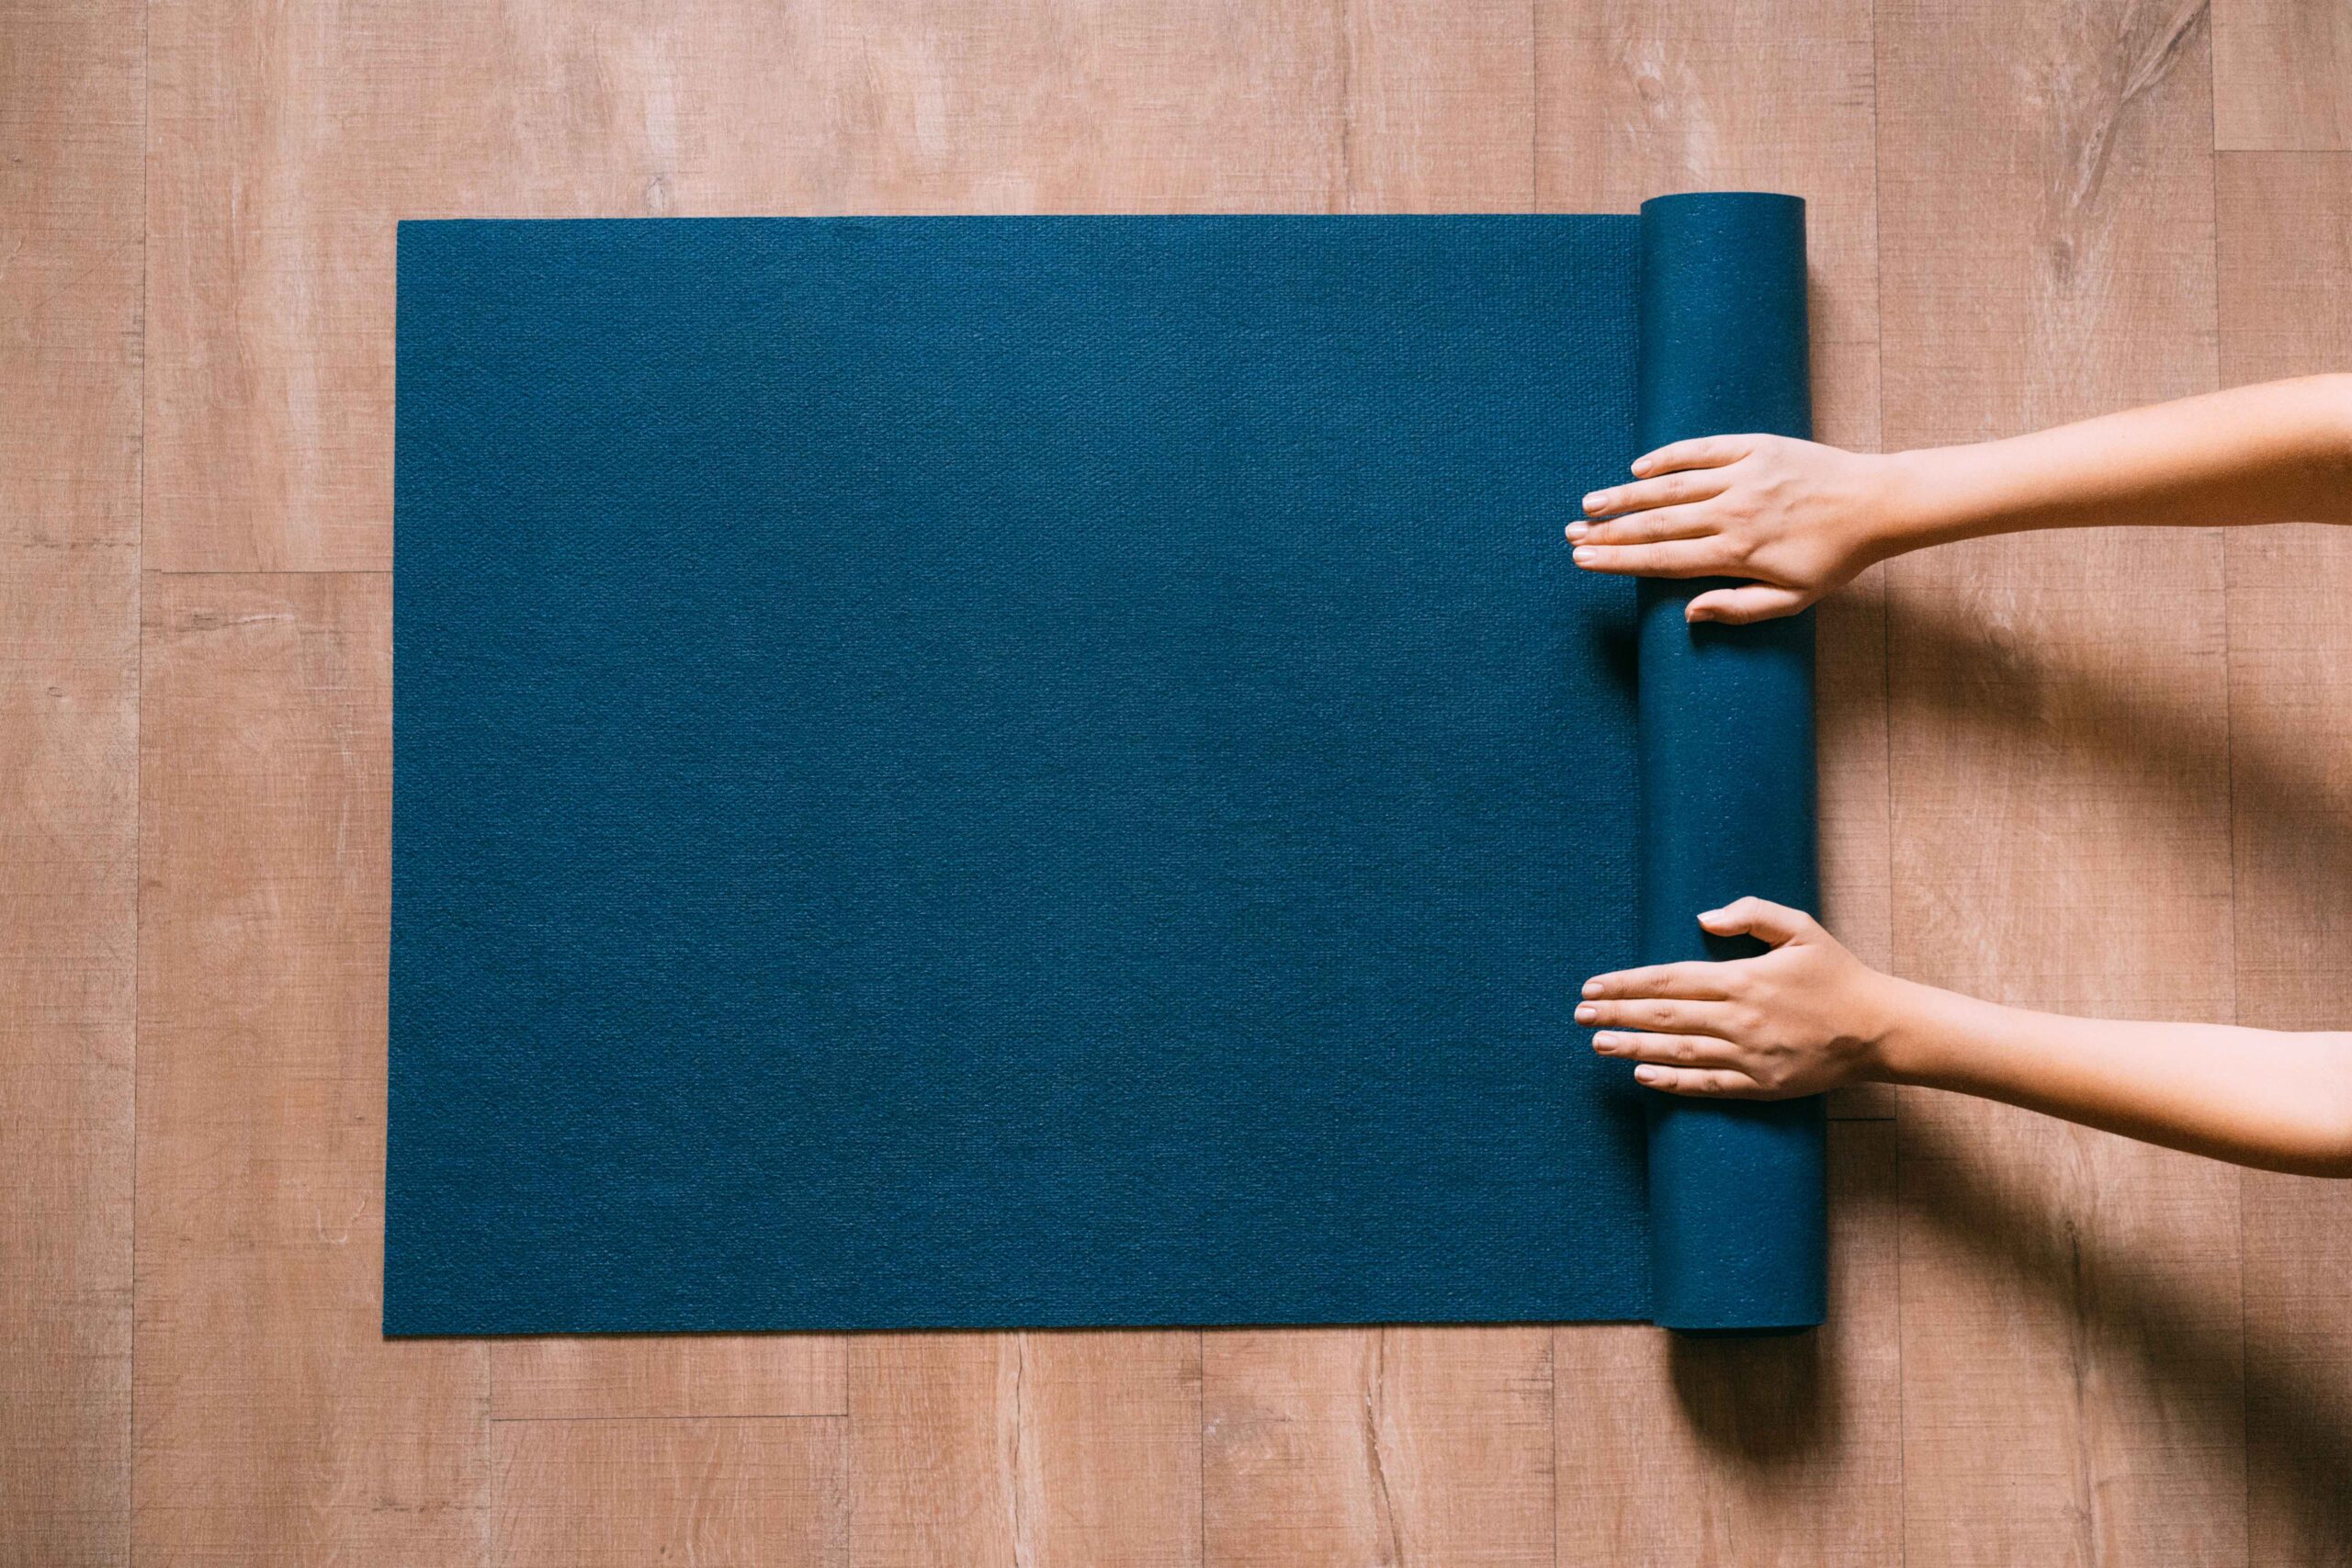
<point x="1924" y="498"/>
<point x="1899" y="1040"/>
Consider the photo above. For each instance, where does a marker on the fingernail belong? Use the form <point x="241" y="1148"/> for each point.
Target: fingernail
<point x="1592" y="987"/>
<point x="1586" y="1014"/>
<point x="1597" y="501"/>
<point x="1695" y="616"/>
<point x="1583" y="555"/>
<point x="1605" y="1041"/>
<point x="1646" y="1074"/>
<point x="1578" y="530"/>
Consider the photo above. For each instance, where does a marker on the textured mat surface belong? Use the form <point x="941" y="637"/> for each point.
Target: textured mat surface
<point x="1036" y="772"/>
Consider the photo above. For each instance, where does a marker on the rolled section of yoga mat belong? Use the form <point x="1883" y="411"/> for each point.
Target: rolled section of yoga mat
<point x="1735" y="1195"/>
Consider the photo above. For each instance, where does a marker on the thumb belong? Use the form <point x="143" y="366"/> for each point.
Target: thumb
<point x="1759" y="917"/>
<point x="1739" y="606"/>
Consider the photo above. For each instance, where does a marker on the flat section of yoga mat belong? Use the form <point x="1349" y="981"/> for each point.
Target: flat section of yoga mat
<point x="992" y="772"/>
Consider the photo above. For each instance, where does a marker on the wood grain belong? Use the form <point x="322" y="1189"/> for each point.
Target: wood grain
<point x="2285" y="259"/>
<point x="1436" y="112"/>
<point x="1026" y="1449"/>
<point x="2282" y="74"/>
<point x="70" y="235"/>
<point x="1754" y="1452"/>
<point x="669" y="1375"/>
<point x="274" y="1424"/>
<point x="2060" y="837"/>
<point x="748" y="1494"/>
<point x="1397" y="1445"/>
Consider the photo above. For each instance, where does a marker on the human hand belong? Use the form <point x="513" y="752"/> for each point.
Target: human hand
<point x="1796" y="517"/>
<point x="1805" y="1017"/>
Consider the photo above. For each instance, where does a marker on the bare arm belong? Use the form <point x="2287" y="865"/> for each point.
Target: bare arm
<point x="1800" y="519"/>
<point x="1809" y="1016"/>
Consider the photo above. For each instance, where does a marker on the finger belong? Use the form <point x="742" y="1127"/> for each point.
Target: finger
<point x="1674" y="558"/>
<point x="1702" y="452"/>
<point x="1645" y="527"/>
<point x="1707" y="1083"/>
<point x="1714" y="1083"/>
<point x="1665" y="1014"/>
<point x="1668" y="1050"/>
<point x="1691" y="982"/>
<point x="1761" y="917"/>
<point x="1743" y="606"/>
<point x="1671" y="489"/>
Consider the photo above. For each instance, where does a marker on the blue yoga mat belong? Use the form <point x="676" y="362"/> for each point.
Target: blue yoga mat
<point x="1034" y="771"/>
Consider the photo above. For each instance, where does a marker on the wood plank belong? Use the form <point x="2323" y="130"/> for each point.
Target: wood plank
<point x="1291" y="1434"/>
<point x="585" y="1493"/>
<point x="1068" y="105"/>
<point x="274" y="1424"/>
<point x="2282" y="74"/>
<point x="287" y="140"/>
<point x="68" y="926"/>
<point x="1026" y="1449"/>
<point x="71" y="226"/>
<point x="1641" y="98"/>
<point x="1755" y="1451"/>
<point x="2111" y="1414"/>
<point x="2061" y="813"/>
<point x="1438" y="112"/>
<point x="1397" y="1445"/>
<point x="632" y="1374"/>
<point x="2285" y="263"/>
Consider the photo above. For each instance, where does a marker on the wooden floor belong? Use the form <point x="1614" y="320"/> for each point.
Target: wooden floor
<point x="2111" y="772"/>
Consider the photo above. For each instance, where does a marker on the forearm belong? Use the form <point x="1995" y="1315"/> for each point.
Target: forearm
<point x="2274" y="453"/>
<point x="2282" y="1101"/>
